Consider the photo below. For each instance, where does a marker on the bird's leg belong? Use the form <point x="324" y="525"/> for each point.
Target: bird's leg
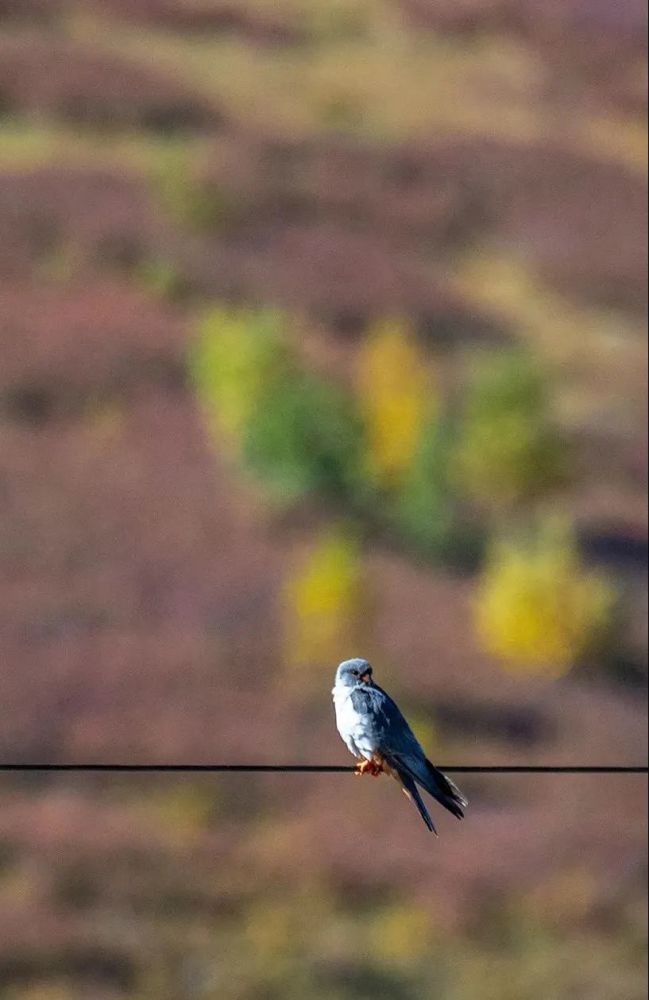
<point x="373" y="767"/>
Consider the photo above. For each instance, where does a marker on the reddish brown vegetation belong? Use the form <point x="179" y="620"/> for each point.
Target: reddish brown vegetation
<point x="205" y="16"/>
<point x="553" y="204"/>
<point x="579" y="40"/>
<point x="49" y="215"/>
<point x="605" y="22"/>
<point x="84" y="88"/>
<point x="62" y="350"/>
<point x="43" y="12"/>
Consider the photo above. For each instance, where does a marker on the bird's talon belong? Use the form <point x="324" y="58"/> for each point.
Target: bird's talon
<point x="372" y="767"/>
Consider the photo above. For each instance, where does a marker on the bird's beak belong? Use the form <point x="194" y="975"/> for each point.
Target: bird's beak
<point x="366" y="677"/>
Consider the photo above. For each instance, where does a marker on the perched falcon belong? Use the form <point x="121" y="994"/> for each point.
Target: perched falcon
<point x="376" y="732"/>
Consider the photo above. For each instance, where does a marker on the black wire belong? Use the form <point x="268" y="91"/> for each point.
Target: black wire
<point x="320" y="768"/>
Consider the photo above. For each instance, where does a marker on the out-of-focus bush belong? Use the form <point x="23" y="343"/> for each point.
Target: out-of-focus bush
<point x="393" y="452"/>
<point x="426" y="511"/>
<point x="508" y="450"/>
<point x="193" y="203"/>
<point x="401" y="933"/>
<point x="537" y="607"/>
<point x="410" y="444"/>
<point x="395" y="399"/>
<point x="325" y="602"/>
<point x="235" y="353"/>
<point x="296" y="431"/>
<point x="304" y="438"/>
<point x="161" y="279"/>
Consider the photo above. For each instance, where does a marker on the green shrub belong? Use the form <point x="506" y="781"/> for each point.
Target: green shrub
<point x="160" y="278"/>
<point x="191" y="201"/>
<point x="296" y="431"/>
<point x="426" y="511"/>
<point x="304" y="437"/>
<point x="508" y="451"/>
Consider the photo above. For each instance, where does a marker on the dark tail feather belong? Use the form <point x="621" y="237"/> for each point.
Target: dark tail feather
<point x="443" y="789"/>
<point x="411" y="790"/>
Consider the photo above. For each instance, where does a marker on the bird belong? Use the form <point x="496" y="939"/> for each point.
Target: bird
<point x="376" y="733"/>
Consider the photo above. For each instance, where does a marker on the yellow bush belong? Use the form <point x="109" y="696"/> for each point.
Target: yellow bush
<point x="537" y="607"/>
<point x="395" y="399"/>
<point x="323" y="602"/>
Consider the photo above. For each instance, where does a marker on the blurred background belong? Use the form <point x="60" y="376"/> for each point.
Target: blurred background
<point x="321" y="334"/>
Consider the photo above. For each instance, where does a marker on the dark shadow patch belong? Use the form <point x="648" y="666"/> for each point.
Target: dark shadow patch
<point x="520" y="725"/>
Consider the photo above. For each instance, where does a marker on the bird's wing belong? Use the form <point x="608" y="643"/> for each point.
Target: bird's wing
<point x="384" y="720"/>
<point x="401" y="749"/>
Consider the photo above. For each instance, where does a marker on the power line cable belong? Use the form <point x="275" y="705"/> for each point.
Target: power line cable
<point x="316" y="768"/>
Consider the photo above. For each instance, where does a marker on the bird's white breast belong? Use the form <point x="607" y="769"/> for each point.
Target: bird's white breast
<point x="349" y="723"/>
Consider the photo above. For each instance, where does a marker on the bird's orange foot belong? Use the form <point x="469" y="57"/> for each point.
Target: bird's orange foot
<point x="373" y="767"/>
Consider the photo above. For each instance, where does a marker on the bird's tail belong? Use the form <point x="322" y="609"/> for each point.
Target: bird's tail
<point x="410" y="789"/>
<point x="443" y="789"/>
<point x="431" y="779"/>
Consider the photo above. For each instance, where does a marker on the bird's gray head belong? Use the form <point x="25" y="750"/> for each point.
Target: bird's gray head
<point x="350" y="672"/>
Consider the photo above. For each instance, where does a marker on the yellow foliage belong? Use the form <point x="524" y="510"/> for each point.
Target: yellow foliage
<point x="323" y="601"/>
<point x="42" y="991"/>
<point x="271" y="929"/>
<point x="277" y="930"/>
<point x="395" y="399"/>
<point x="19" y="886"/>
<point x="183" y="811"/>
<point x="400" y="933"/>
<point x="537" y="607"/>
